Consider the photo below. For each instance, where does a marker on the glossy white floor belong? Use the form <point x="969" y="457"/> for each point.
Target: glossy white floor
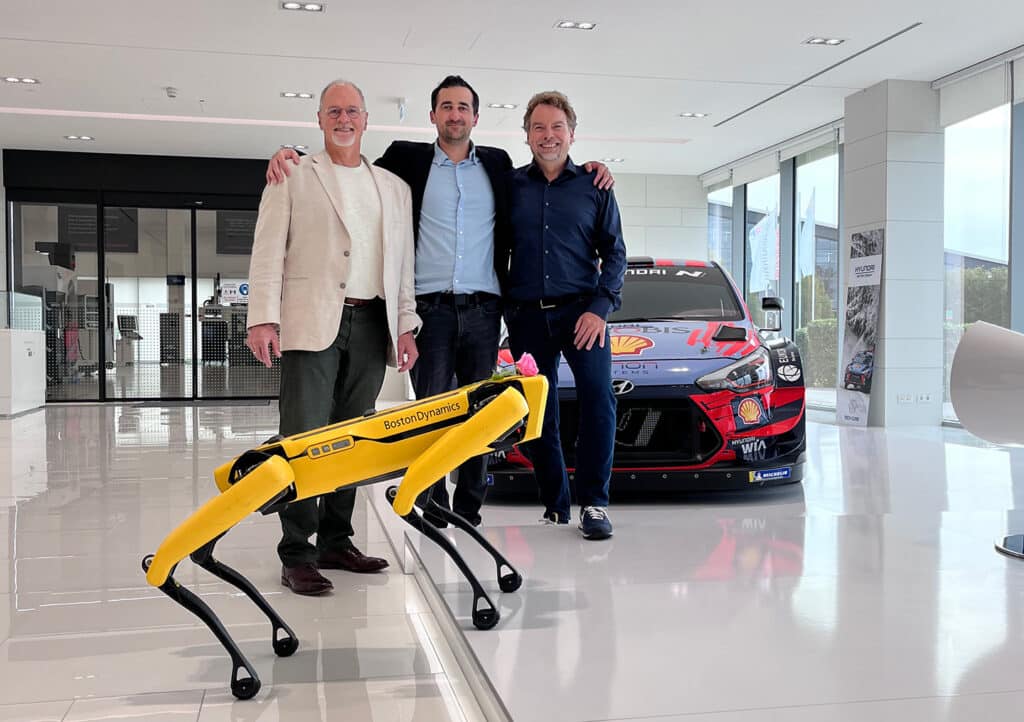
<point x="87" y="491"/>
<point x="871" y="592"/>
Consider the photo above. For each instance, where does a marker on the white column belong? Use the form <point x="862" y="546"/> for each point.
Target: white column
<point x="893" y="179"/>
<point x="3" y="255"/>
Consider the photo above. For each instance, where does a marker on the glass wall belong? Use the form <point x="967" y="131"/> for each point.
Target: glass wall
<point x="816" y="271"/>
<point x="48" y="240"/>
<point x="976" y="227"/>
<point x="720" y="227"/>
<point x="762" y="249"/>
<point x="133" y="328"/>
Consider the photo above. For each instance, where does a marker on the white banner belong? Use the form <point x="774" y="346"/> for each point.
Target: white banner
<point x="863" y="301"/>
<point x="763" y="239"/>
<point x="806" y="243"/>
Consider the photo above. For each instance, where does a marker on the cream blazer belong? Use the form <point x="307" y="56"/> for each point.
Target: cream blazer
<point x="300" y="257"/>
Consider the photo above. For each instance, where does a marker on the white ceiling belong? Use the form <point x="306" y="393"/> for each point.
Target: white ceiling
<point x="647" y="61"/>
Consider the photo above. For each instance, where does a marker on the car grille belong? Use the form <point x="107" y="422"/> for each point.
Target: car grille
<point x="649" y="432"/>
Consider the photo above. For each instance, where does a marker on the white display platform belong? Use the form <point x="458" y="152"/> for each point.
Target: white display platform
<point x="22" y="371"/>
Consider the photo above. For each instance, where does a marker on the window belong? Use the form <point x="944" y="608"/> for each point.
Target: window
<point x="976" y="227"/>
<point x="816" y="271"/>
<point x="720" y="227"/>
<point x="762" y="264"/>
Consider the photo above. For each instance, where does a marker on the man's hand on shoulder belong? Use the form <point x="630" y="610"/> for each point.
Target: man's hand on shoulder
<point x="277" y="168"/>
<point x="603" y="179"/>
<point x="263" y="341"/>
<point x="406" y="352"/>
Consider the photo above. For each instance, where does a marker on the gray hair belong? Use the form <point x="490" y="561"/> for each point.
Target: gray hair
<point x="342" y="81"/>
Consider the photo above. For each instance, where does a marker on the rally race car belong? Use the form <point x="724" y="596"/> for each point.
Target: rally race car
<point x="859" y="371"/>
<point x="706" y="400"/>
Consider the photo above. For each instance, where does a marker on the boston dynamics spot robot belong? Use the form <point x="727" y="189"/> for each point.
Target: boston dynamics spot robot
<point x="421" y="442"/>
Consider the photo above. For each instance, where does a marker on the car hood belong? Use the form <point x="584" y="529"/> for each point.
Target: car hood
<point x="670" y="352"/>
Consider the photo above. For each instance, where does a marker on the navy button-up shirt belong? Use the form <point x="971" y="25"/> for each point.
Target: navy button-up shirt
<point x="566" y="238"/>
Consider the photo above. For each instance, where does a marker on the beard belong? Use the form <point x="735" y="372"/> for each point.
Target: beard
<point x="345" y="141"/>
<point x="454" y="133"/>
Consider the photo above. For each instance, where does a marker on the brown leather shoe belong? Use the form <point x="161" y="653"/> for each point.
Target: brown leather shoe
<point x="305" y="579"/>
<point x="351" y="560"/>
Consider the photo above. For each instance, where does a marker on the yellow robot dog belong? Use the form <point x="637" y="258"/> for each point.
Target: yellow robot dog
<point x="421" y="441"/>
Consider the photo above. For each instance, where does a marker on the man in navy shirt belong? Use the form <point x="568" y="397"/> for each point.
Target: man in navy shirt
<point x="568" y="260"/>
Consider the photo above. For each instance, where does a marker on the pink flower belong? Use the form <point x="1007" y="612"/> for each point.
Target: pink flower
<point x="526" y="365"/>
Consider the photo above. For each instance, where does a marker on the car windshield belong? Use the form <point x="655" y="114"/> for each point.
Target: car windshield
<point x="683" y="292"/>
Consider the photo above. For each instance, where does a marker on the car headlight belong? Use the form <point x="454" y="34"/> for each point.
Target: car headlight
<point x="748" y="374"/>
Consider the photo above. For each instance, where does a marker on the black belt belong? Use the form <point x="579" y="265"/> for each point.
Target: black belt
<point x="460" y="300"/>
<point x="545" y="304"/>
<point x="357" y="302"/>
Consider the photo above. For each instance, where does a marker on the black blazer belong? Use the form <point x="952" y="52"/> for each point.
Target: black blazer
<point x="411" y="162"/>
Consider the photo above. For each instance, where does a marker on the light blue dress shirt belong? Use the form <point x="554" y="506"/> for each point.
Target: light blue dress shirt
<point x="455" y="249"/>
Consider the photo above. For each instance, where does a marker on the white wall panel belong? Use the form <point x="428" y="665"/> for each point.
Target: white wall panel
<point x="973" y="95"/>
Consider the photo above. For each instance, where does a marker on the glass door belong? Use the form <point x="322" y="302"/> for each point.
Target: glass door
<point x="226" y="368"/>
<point x="147" y="272"/>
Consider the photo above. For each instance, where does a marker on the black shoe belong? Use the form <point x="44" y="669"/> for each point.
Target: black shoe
<point x="554" y="518"/>
<point x="352" y="560"/>
<point x="594" y="523"/>
<point x="305" y="579"/>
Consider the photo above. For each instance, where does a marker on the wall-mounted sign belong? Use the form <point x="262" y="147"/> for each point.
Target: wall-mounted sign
<point x="76" y="225"/>
<point x="234" y="292"/>
<point x="235" y="231"/>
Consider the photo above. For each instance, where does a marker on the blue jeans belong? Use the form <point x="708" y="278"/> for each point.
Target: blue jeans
<point x="546" y="335"/>
<point x="458" y="340"/>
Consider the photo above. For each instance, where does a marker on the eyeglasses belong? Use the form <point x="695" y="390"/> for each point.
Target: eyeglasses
<point x="335" y="112"/>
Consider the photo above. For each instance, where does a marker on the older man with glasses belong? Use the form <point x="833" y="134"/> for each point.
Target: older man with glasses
<point x="331" y="292"/>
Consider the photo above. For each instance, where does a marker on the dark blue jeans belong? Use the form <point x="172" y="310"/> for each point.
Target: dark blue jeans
<point x="547" y="335"/>
<point x="458" y="341"/>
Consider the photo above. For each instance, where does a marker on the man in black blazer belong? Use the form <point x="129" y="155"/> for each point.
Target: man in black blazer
<point x="461" y="229"/>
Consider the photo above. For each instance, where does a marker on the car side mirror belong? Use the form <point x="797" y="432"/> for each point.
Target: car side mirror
<point x="772" y="307"/>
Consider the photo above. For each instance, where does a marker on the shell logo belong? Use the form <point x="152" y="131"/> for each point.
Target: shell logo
<point x="626" y="345"/>
<point x="750" y="411"/>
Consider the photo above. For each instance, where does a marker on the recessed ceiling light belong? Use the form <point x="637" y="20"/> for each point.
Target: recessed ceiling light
<point x="16" y="79"/>
<point x="818" y="40"/>
<point x="78" y="137"/>
<point x="612" y="160"/>
<point x="293" y="94"/>
<point x="305" y="95"/>
<point x="575" y="25"/>
<point x="294" y="146"/>
<point x="503" y="106"/>
<point x="693" y="115"/>
<point x="308" y="7"/>
<point x="29" y="81"/>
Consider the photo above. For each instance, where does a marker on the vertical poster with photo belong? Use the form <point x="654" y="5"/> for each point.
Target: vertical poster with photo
<point x="863" y="297"/>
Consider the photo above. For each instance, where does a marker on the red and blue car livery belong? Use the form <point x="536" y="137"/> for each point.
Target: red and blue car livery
<point x="706" y="400"/>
